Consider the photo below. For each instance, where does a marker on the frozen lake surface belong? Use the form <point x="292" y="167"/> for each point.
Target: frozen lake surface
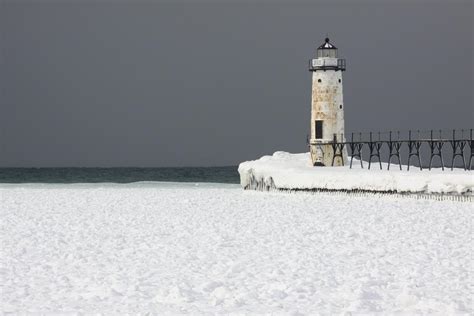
<point x="185" y="248"/>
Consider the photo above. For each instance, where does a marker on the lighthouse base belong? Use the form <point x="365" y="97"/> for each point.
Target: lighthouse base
<point x="325" y="155"/>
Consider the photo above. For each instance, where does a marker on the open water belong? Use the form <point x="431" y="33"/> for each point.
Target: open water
<point x="119" y="175"/>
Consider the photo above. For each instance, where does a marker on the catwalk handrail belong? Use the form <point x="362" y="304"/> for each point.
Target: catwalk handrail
<point x="458" y="140"/>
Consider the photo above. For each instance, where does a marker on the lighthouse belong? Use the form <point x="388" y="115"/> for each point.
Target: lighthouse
<point x="327" y="106"/>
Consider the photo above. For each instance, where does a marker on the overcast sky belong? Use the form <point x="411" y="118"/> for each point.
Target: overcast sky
<point x="104" y="83"/>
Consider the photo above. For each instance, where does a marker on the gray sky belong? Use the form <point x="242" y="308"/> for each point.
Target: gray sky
<point x="103" y="83"/>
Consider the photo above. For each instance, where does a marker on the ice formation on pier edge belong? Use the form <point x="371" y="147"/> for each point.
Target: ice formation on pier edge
<point x="286" y="171"/>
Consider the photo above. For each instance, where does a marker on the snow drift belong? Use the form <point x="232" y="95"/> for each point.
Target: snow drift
<point x="286" y="171"/>
<point x="173" y="249"/>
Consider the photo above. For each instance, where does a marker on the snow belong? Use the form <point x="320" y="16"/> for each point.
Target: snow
<point x="294" y="171"/>
<point x="202" y="248"/>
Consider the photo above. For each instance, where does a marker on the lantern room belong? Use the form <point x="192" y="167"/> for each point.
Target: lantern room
<point x="327" y="50"/>
<point x="327" y="58"/>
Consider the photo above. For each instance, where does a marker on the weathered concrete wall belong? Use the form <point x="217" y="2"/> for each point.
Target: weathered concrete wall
<point x="327" y="105"/>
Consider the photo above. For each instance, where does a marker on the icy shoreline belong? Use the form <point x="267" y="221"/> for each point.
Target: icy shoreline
<point x="286" y="171"/>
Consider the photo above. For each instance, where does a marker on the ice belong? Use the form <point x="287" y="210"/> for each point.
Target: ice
<point x="283" y="170"/>
<point x="217" y="249"/>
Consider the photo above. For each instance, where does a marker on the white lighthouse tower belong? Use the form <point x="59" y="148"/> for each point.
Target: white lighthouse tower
<point x="327" y="106"/>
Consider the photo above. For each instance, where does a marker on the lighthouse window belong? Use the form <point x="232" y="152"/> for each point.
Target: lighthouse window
<point x="319" y="129"/>
<point x="339" y="80"/>
<point x="319" y="80"/>
<point x="340" y="106"/>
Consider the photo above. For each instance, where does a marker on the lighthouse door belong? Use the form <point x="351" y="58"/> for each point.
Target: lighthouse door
<point x="319" y="129"/>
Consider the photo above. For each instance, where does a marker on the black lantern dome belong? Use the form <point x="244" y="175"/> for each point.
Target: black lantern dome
<point x="327" y="50"/>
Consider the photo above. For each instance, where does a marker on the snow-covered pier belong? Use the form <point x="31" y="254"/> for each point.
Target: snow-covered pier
<point x="294" y="172"/>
